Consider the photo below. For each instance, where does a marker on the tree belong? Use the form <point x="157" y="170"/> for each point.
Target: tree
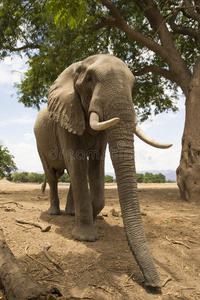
<point x="159" y="40"/>
<point x="35" y="177"/>
<point x="159" y="178"/>
<point x="140" y="177"/>
<point x="64" y="178"/>
<point x="20" y="177"/>
<point x="148" y="178"/>
<point x="7" y="164"/>
<point x="151" y="178"/>
<point x="47" y="62"/>
<point x="109" y="179"/>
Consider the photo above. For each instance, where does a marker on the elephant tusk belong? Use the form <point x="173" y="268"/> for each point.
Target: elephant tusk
<point x="96" y="125"/>
<point x="145" y="138"/>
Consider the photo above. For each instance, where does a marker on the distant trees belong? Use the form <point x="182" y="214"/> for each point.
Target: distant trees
<point x="20" y="177"/>
<point x="7" y="164"/>
<point x="143" y="178"/>
<point x="28" y="177"/>
<point x="64" y="178"/>
<point x="35" y="177"/>
<point x="39" y="178"/>
<point x="151" y="178"/>
<point x="109" y="179"/>
<point x="140" y="177"/>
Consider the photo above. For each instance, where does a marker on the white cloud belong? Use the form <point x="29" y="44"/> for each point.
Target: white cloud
<point x="23" y="120"/>
<point x="12" y="70"/>
<point x="28" y="136"/>
<point x="25" y="156"/>
<point x="148" y="158"/>
<point x="3" y="123"/>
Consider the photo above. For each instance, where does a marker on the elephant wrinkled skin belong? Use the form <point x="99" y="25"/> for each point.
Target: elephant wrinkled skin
<point x="72" y="134"/>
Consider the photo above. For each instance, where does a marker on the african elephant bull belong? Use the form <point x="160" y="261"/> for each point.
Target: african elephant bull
<point x="90" y="104"/>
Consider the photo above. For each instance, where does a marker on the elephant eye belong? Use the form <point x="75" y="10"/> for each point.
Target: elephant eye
<point x="88" y="78"/>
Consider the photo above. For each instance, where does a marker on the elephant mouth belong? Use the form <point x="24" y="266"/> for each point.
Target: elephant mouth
<point x="96" y="125"/>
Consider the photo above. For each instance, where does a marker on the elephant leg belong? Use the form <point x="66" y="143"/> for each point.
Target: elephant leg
<point x="54" y="208"/>
<point x="84" y="227"/>
<point x="69" y="209"/>
<point x="96" y="181"/>
<point x="52" y="177"/>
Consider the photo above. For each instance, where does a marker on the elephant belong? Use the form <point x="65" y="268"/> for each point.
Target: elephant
<point x="89" y="105"/>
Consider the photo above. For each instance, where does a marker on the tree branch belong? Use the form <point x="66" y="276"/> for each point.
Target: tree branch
<point x="197" y="2"/>
<point x="154" y="69"/>
<point x="28" y="46"/>
<point x="157" y="22"/>
<point x="167" y="51"/>
<point x="196" y="72"/>
<point x="191" y="11"/>
<point x="104" y="22"/>
<point x="183" y="30"/>
<point x="176" y="64"/>
<point x="119" y="22"/>
<point x="112" y="8"/>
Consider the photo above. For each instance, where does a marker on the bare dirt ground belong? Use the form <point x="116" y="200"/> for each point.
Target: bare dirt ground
<point x="106" y="268"/>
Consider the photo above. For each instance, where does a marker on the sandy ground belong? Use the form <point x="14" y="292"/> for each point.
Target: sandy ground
<point x="12" y="186"/>
<point x="106" y="268"/>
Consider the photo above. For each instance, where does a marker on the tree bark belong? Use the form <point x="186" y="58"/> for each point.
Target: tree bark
<point x="188" y="171"/>
<point x="17" y="283"/>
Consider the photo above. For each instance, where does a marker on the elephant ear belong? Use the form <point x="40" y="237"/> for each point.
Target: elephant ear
<point x="64" y="103"/>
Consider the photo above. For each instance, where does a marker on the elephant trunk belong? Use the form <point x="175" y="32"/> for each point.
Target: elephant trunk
<point x="120" y="139"/>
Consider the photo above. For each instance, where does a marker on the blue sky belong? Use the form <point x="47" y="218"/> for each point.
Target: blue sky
<point x="17" y="122"/>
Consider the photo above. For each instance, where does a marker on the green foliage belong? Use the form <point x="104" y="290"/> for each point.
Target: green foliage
<point x="20" y="177"/>
<point x="64" y="178"/>
<point x="58" y="48"/>
<point x="55" y="33"/>
<point x="22" y="25"/>
<point x="28" y="177"/>
<point x="35" y="177"/>
<point x="140" y="177"/>
<point x="71" y="12"/>
<point x="159" y="178"/>
<point x="151" y="178"/>
<point x="7" y="164"/>
<point x="109" y="179"/>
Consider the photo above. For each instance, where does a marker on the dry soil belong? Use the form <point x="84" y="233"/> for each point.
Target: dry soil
<point x="106" y="268"/>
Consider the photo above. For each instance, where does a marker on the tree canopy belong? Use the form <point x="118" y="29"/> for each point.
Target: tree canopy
<point x="28" y="177"/>
<point x="29" y="28"/>
<point x="150" y="178"/>
<point x="109" y="179"/>
<point x="64" y="178"/>
<point x="7" y="164"/>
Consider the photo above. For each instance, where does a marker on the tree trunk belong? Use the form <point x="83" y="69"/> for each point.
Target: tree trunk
<point x="188" y="172"/>
<point x="17" y="283"/>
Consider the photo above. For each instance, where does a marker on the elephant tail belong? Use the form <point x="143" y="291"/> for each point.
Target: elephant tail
<point x="44" y="184"/>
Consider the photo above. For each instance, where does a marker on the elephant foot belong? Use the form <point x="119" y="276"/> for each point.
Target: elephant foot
<point x="53" y="211"/>
<point x="85" y="233"/>
<point x="153" y="285"/>
<point x="70" y="212"/>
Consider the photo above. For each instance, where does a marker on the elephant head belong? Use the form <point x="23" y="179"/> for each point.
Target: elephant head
<point x="98" y="91"/>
